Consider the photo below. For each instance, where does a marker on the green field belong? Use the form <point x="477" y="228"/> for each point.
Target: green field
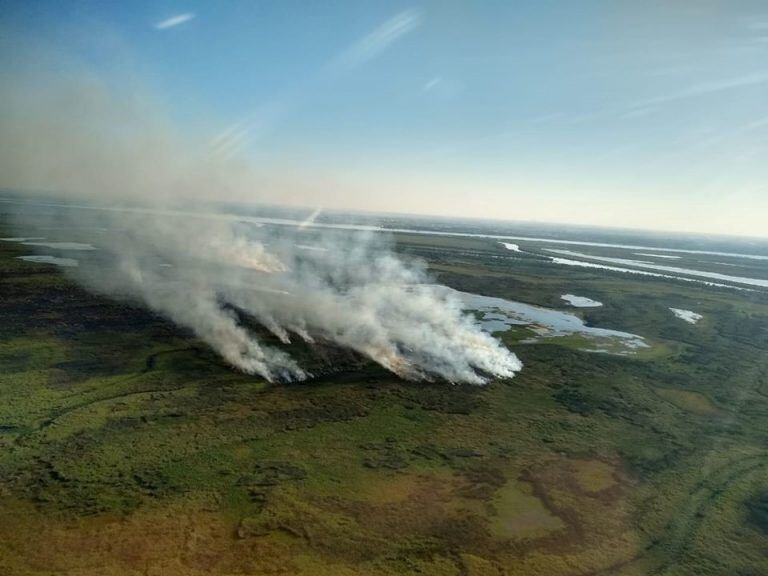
<point x="128" y="447"/>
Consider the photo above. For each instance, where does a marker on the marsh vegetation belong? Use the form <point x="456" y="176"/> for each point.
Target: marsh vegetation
<point x="128" y="445"/>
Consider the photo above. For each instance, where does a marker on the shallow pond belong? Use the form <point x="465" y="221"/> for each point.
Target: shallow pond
<point x="501" y="314"/>
<point x="580" y="301"/>
<point x="40" y="259"/>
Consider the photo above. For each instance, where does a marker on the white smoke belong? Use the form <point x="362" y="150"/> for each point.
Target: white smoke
<point x="212" y="273"/>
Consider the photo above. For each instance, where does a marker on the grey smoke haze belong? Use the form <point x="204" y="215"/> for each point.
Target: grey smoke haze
<point x="83" y="139"/>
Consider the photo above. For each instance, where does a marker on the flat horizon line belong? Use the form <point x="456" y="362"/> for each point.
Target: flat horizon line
<point x="691" y="235"/>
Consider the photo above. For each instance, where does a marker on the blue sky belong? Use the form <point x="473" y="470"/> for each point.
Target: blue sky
<point x="650" y="115"/>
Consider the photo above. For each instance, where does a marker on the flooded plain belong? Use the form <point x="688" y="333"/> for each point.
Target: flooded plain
<point x="580" y="301"/>
<point x="500" y="315"/>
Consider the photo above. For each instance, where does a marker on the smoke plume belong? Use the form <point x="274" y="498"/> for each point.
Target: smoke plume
<point x="151" y="190"/>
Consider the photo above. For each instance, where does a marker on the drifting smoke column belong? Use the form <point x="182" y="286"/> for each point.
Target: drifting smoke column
<point x="347" y="288"/>
<point x="207" y="271"/>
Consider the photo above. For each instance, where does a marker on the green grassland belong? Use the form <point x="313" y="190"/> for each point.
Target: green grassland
<point x="128" y="447"/>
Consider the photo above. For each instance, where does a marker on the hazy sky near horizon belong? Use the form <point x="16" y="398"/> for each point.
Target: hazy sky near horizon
<point x="636" y="114"/>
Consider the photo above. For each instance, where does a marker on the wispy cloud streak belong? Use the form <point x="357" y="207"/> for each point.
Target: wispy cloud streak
<point x="431" y="83"/>
<point x="379" y="39"/>
<point x="237" y="136"/>
<point x="755" y="79"/>
<point x="174" y="21"/>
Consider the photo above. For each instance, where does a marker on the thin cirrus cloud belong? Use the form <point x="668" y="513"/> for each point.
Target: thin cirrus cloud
<point x="755" y="79"/>
<point x="379" y="39"/>
<point x="174" y="21"/>
<point x="431" y="83"/>
<point x="236" y="136"/>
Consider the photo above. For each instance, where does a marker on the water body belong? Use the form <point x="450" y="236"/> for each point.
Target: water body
<point x="662" y="268"/>
<point x="583" y="264"/>
<point x="68" y="262"/>
<point x="665" y="256"/>
<point x="17" y="239"/>
<point x="310" y="247"/>
<point x="580" y="301"/>
<point x="686" y="315"/>
<point x="364" y="227"/>
<point x="501" y="314"/>
<point x="289" y="222"/>
<point x="62" y="245"/>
